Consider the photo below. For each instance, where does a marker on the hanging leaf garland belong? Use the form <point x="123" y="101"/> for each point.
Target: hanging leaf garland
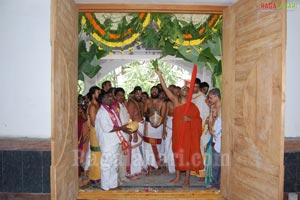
<point x="159" y="31"/>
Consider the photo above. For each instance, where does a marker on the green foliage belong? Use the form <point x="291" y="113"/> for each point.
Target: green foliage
<point x="150" y="37"/>
<point x="87" y="61"/>
<point x="142" y="74"/>
<point x="154" y="63"/>
<point x="157" y="36"/>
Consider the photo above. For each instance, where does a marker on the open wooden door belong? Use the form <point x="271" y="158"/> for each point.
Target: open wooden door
<point x="253" y="101"/>
<point x="64" y="43"/>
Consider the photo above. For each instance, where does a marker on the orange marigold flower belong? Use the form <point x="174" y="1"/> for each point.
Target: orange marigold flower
<point x="187" y="36"/>
<point x="127" y="32"/>
<point x="114" y="36"/>
<point x="201" y="31"/>
<point x="94" y="24"/>
<point x="141" y="16"/>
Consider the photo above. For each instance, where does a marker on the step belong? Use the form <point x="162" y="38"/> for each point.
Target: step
<point x="155" y="194"/>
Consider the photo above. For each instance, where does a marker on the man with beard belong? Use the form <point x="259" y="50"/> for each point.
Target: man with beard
<point x="187" y="130"/>
<point x="155" y="111"/>
<point x="135" y="109"/>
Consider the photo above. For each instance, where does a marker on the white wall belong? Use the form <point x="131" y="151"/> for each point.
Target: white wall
<point x="292" y="109"/>
<point x="25" y="70"/>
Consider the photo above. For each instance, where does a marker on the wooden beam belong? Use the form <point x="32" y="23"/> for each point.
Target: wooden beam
<point x="155" y="8"/>
<point x="25" y="144"/>
<point x="291" y="144"/>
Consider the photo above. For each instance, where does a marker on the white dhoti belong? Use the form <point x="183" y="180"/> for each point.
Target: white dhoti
<point x="109" y="167"/>
<point x="169" y="156"/>
<point x="152" y="145"/>
<point x="137" y="165"/>
<point x="87" y="158"/>
<point x="122" y="165"/>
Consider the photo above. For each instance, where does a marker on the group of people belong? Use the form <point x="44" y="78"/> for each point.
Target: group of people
<point x="171" y="133"/>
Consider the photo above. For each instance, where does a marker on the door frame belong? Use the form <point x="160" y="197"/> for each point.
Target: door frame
<point x="157" y="8"/>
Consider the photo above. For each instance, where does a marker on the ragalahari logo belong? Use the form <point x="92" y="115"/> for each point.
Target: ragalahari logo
<point x="278" y="6"/>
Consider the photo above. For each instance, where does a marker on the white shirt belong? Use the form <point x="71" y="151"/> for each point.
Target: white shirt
<point x="199" y="100"/>
<point x="218" y="133"/>
<point x="103" y="126"/>
<point x="124" y="116"/>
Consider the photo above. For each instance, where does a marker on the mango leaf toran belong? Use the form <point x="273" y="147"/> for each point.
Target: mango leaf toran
<point x="199" y="43"/>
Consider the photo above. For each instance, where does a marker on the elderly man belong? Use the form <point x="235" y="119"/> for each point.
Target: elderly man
<point x="215" y="129"/>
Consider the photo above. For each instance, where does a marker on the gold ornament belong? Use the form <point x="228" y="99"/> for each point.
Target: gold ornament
<point x="133" y="126"/>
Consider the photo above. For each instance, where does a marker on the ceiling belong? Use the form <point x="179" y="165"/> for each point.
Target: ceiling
<point x="194" y="2"/>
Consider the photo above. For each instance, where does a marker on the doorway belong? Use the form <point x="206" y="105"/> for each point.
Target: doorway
<point x="253" y="92"/>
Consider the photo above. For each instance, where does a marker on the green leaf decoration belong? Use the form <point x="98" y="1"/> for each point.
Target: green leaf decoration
<point x="154" y="63"/>
<point x="215" y="46"/>
<point x="95" y="61"/>
<point x="150" y="37"/>
<point x="207" y="56"/>
<point x="161" y="33"/>
<point x="123" y="26"/>
<point x="167" y="48"/>
<point x="87" y="61"/>
<point x="218" y="69"/>
<point x="107" y="24"/>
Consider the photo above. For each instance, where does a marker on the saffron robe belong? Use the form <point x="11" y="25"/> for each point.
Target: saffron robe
<point x="187" y="154"/>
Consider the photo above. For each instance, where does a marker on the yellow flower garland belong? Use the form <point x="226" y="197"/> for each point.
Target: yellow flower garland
<point x="125" y="42"/>
<point x="189" y="42"/>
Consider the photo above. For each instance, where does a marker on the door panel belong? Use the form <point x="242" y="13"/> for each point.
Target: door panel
<point x="64" y="43"/>
<point x="253" y="101"/>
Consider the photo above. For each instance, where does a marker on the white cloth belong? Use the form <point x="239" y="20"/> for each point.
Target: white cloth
<point x="169" y="155"/>
<point x="109" y="167"/>
<point x="218" y="133"/>
<point x="103" y="126"/>
<point x="87" y="158"/>
<point x="199" y="100"/>
<point x="109" y="144"/>
<point x="148" y="152"/>
<point x="124" y="116"/>
<point x="137" y="161"/>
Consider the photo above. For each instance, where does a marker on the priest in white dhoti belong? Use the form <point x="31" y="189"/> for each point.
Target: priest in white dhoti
<point x="155" y="111"/>
<point x="131" y="163"/>
<point x="137" y="165"/>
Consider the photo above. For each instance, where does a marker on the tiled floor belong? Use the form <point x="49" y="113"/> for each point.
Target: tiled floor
<point x="159" y="182"/>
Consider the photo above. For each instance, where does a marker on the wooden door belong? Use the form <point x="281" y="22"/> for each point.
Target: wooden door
<point x="253" y="101"/>
<point x="64" y="43"/>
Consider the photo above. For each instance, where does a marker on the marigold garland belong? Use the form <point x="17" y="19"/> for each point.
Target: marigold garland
<point x="116" y="36"/>
<point x="100" y="33"/>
